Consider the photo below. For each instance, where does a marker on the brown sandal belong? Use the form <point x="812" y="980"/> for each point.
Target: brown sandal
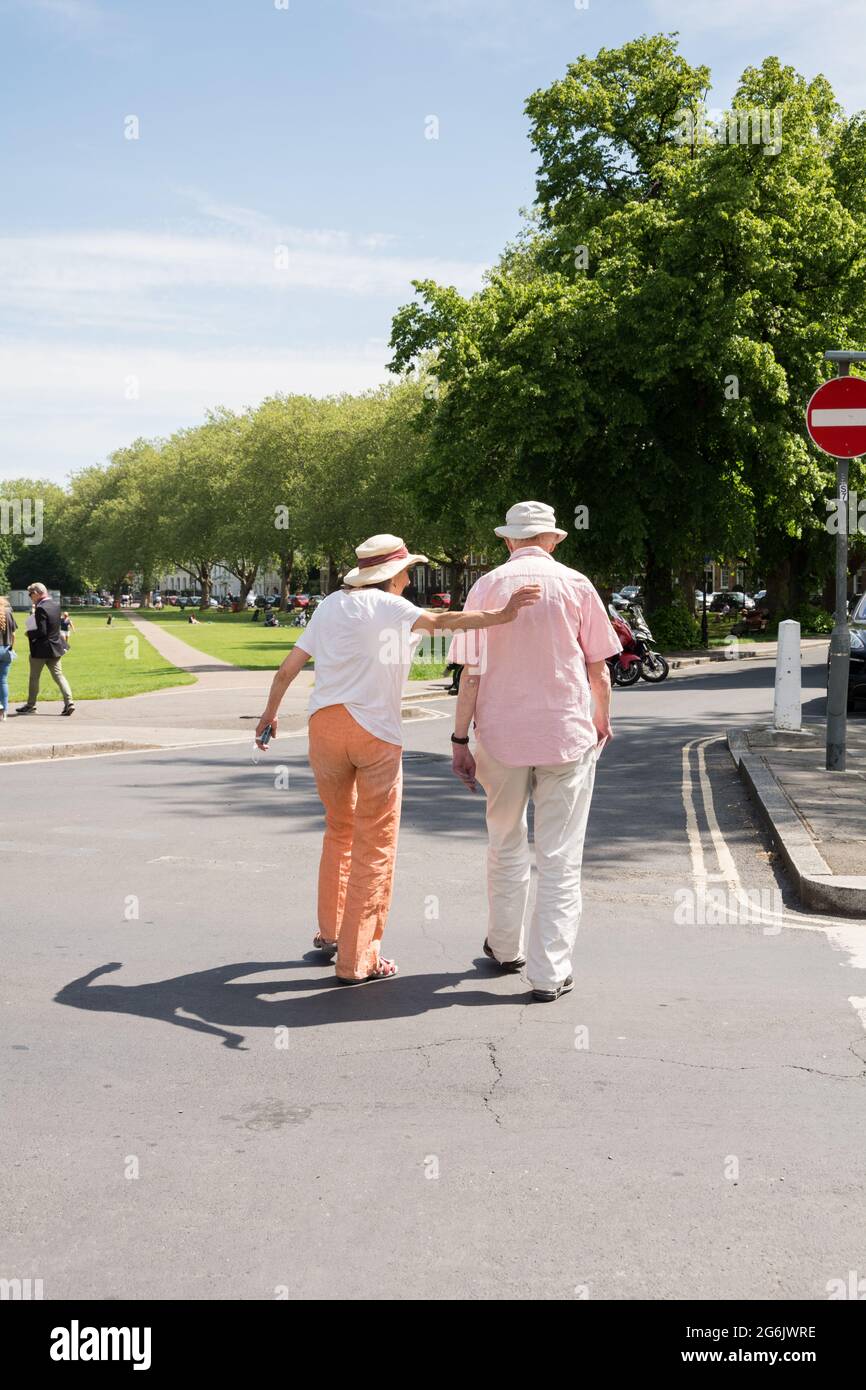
<point x="386" y="971"/>
<point x="328" y="948"/>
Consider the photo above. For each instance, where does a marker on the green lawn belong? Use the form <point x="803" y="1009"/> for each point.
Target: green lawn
<point x="100" y="665"/>
<point x="234" y="637"/>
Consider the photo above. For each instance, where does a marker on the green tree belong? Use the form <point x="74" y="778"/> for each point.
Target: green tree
<point x="647" y="347"/>
<point x="108" y="521"/>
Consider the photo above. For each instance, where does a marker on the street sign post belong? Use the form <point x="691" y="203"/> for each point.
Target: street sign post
<point x="836" y="421"/>
<point x="705" y="636"/>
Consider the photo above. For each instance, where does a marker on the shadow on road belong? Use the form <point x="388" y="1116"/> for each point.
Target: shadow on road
<point x="218" y="1002"/>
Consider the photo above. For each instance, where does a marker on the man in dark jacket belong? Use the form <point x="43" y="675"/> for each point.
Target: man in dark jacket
<point x="46" y="648"/>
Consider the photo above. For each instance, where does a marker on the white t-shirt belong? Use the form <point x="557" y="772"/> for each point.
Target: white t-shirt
<point x="363" y="644"/>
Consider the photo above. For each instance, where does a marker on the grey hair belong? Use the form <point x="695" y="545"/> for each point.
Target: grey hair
<point x="37" y="588"/>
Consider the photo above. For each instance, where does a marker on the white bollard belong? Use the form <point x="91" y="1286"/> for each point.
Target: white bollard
<point x="786" y="701"/>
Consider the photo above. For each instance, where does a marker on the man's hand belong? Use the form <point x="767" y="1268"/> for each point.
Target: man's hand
<point x="603" y="733"/>
<point x="521" y="598"/>
<point x="463" y="765"/>
<point x="260" y="729"/>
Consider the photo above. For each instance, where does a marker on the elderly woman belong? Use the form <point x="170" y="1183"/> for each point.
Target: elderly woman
<point x="363" y="638"/>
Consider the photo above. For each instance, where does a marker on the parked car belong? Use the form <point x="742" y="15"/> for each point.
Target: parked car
<point x="727" y="599"/>
<point x="298" y="600"/>
<point x="857" y="663"/>
<point x="630" y="592"/>
<point x="440" y="600"/>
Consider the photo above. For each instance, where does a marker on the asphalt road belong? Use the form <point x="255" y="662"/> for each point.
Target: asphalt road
<point x="192" y="1109"/>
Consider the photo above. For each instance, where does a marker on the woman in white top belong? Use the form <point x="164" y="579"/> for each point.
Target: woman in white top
<point x="363" y="639"/>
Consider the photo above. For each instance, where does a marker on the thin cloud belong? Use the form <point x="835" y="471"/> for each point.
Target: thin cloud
<point x="66" y="407"/>
<point x="78" y="19"/>
<point x="120" y="276"/>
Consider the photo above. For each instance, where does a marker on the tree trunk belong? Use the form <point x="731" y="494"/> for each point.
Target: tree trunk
<point x="287" y="566"/>
<point x="247" y="578"/>
<point x="205" y="581"/>
<point x="333" y="578"/>
<point x="779" y="589"/>
<point x="800" y="577"/>
<point x="458" y="573"/>
<point x="688" y="583"/>
<point x="659" y="584"/>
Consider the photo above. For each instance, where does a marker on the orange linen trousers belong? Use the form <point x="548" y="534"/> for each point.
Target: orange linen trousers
<point x="360" y="782"/>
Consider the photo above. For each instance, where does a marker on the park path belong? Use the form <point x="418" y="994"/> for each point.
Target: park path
<point x="178" y="652"/>
<point x="222" y="706"/>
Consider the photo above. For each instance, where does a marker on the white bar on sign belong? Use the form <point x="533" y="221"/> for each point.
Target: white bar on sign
<point x="821" y="419"/>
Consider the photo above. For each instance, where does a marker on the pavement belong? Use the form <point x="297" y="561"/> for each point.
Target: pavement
<point x="223" y="705"/>
<point x="815" y="817"/>
<point x="193" y="1110"/>
<point x="738" y="649"/>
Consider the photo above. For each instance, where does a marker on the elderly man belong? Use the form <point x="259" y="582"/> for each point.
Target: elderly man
<point x="539" y="694"/>
<point x="46" y="648"/>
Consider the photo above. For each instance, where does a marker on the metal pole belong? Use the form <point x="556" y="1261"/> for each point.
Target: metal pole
<point x="705" y="636"/>
<point x="840" y="640"/>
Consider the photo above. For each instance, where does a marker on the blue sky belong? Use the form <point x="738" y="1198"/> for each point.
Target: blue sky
<point x="139" y="277"/>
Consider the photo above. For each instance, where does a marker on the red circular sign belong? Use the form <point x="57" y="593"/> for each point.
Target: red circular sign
<point x="836" y="417"/>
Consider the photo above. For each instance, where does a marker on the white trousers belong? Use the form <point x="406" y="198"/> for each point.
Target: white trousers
<point x="562" y="794"/>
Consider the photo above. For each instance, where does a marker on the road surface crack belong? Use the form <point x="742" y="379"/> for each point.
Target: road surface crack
<point x="488" y="1097"/>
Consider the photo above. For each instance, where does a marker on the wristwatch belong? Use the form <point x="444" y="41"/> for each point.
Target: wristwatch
<point x="455" y="739"/>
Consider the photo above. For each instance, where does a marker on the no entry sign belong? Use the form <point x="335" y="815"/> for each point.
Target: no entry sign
<point x="836" y="417"/>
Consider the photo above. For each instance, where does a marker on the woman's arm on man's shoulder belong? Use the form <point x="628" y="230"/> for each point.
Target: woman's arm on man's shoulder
<point x="445" y="621"/>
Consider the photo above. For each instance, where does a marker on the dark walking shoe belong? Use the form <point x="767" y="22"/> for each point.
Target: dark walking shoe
<point x="68" y="709"/>
<point x="510" y="967"/>
<point x="549" y="996"/>
<point x="26" y="709"/>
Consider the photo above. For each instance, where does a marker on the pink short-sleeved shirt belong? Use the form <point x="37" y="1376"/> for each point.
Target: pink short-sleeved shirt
<point x="534" y="704"/>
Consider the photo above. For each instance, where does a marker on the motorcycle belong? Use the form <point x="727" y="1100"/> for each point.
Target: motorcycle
<point x="637" y="661"/>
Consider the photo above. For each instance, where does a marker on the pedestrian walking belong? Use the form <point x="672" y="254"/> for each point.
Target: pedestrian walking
<point x="46" y="648"/>
<point x="7" y="652"/>
<point x="538" y="694"/>
<point x="67" y="627"/>
<point x="363" y="638"/>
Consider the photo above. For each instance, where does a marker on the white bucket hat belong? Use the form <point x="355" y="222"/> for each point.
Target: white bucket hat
<point x="380" y="558"/>
<point x="527" y="519"/>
